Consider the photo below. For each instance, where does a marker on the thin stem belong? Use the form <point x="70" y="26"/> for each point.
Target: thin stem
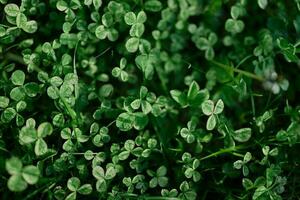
<point x="245" y="73"/>
<point x="222" y="151"/>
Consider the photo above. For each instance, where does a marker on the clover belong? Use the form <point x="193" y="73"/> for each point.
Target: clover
<point x="206" y="44"/>
<point x="143" y="101"/>
<point x="103" y="176"/>
<point x="19" y="18"/>
<point x="106" y="30"/>
<point x="191" y="171"/>
<point x="75" y="187"/>
<point x="136" y="31"/>
<point x="29" y="134"/>
<point x="119" y="72"/>
<point x="70" y="136"/>
<point x="158" y="178"/>
<point x="21" y="175"/>
<point x="241" y="164"/>
<point x="212" y="110"/>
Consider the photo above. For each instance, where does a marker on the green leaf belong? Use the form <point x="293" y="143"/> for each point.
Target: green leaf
<point x="219" y="107"/>
<point x="208" y="107"/>
<point x="193" y="91"/>
<point x="125" y="122"/>
<point x="44" y="129"/>
<point x="21" y="20"/>
<point x="61" y="5"/>
<point x="234" y="26"/>
<point x="247" y="183"/>
<point x="8" y="114"/>
<point x="97" y="4"/>
<point x="28" y="135"/>
<point x="98" y="172"/>
<point x="161" y="171"/>
<point x="18" y="77"/>
<point x="262" y="3"/>
<point x="110" y="173"/>
<point x="242" y="135"/>
<point x="101" y="32"/>
<point x="85" y="189"/>
<point x="16" y="183"/>
<point x="17" y="93"/>
<point x="141" y="17"/>
<point x="153" y="5"/>
<point x="31" y="89"/>
<point x="73" y="184"/>
<point x="31" y="174"/>
<point x="162" y="181"/>
<point x="4" y="102"/>
<point x="179" y="97"/>
<point x="13" y="165"/>
<point x="259" y="192"/>
<point x="30" y="26"/>
<point x="71" y="196"/>
<point x="140" y="120"/>
<point x="40" y="147"/>
<point x="132" y="44"/>
<point x="130" y="18"/>
<point x="153" y="182"/>
<point x="124" y="155"/>
<point x="211" y="122"/>
<point x="11" y="9"/>
<point x="101" y="185"/>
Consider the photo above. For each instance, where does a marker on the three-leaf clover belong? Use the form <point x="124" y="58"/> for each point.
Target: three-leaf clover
<point x="242" y="163"/>
<point x="212" y="110"/>
<point x="191" y="172"/>
<point x="102" y="176"/>
<point x="158" y="177"/>
<point x="75" y="187"/>
<point x="143" y="101"/>
<point x="28" y="135"/>
<point x="106" y="30"/>
<point x="119" y="72"/>
<point x="20" y="176"/>
<point x="136" y="31"/>
<point x="206" y="44"/>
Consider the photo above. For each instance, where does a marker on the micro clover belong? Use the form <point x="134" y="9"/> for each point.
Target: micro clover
<point x="158" y="177"/>
<point x="20" y="176"/>
<point x="206" y="44"/>
<point x="212" y="110"/>
<point x="191" y="171"/>
<point x="19" y="18"/>
<point x="242" y="164"/>
<point x="187" y="193"/>
<point x="9" y="113"/>
<point x="151" y="146"/>
<point x="143" y="101"/>
<point x="71" y="136"/>
<point x="21" y="90"/>
<point x="136" y="31"/>
<point x="75" y="187"/>
<point x="190" y="133"/>
<point x="29" y="134"/>
<point x="169" y="193"/>
<point x="234" y="25"/>
<point x="106" y="30"/>
<point x="119" y="72"/>
<point x="194" y="97"/>
<point x="103" y="176"/>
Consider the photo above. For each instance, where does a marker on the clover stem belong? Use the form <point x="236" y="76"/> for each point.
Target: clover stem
<point x="223" y="151"/>
<point x="245" y="73"/>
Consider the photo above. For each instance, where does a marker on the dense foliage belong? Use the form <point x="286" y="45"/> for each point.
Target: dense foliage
<point x="149" y="99"/>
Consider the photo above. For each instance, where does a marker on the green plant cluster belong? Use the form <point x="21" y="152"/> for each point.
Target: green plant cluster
<point x="149" y="99"/>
